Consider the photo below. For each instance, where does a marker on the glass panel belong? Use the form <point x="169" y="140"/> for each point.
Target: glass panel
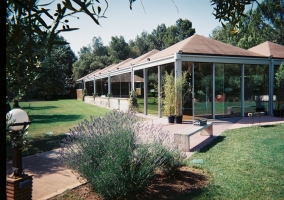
<point x="187" y="104"/>
<point x="256" y="88"/>
<point x="227" y="90"/>
<point x="278" y="99"/>
<point x="139" y="87"/>
<point x="153" y="91"/>
<point x="89" y="88"/>
<point x="116" y="86"/>
<point x="203" y="90"/>
<point x="167" y="68"/>
<point x="102" y="86"/>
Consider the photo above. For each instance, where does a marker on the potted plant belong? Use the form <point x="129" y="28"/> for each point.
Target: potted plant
<point x="182" y="93"/>
<point x="279" y="85"/>
<point x="169" y="96"/>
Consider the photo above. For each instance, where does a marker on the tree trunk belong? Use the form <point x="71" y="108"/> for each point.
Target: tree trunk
<point x="16" y="103"/>
<point x="8" y="107"/>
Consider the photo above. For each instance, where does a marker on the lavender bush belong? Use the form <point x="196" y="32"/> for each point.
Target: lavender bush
<point x="119" y="153"/>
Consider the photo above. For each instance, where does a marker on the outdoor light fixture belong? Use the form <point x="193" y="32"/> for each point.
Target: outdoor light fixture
<point x="18" y="121"/>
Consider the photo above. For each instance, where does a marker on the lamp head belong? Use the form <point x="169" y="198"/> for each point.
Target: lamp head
<point x="18" y="119"/>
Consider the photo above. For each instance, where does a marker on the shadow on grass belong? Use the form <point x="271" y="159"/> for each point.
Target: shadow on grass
<point x="53" y="118"/>
<point x="214" y="141"/>
<point x="268" y="126"/>
<point x="38" y="145"/>
<point x="39" y="108"/>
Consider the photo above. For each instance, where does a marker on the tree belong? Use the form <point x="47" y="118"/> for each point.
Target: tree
<point x="118" y="49"/>
<point x="184" y="29"/>
<point x="55" y="73"/>
<point x="29" y="39"/>
<point x="266" y="23"/>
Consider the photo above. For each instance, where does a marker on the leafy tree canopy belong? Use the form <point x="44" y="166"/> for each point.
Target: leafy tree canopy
<point x="266" y="23"/>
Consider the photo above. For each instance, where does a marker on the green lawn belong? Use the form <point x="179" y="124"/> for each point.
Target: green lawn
<point x="52" y="119"/>
<point x="245" y="163"/>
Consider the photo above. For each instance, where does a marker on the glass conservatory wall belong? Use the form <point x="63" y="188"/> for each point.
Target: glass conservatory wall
<point x="203" y="79"/>
<point x="116" y="86"/>
<point x="139" y="88"/>
<point x="278" y="104"/>
<point x="166" y="68"/>
<point x="102" y="86"/>
<point x="153" y="91"/>
<point x="125" y="85"/>
<point x="227" y="90"/>
<point x="89" y="88"/>
<point x="256" y="88"/>
<point x="188" y="104"/>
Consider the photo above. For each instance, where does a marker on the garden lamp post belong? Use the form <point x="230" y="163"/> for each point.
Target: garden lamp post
<point x="18" y="121"/>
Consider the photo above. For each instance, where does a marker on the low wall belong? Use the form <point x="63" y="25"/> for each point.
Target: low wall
<point x="79" y="93"/>
<point x="112" y="103"/>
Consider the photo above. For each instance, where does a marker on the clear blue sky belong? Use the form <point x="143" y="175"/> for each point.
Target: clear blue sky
<point x="121" y="21"/>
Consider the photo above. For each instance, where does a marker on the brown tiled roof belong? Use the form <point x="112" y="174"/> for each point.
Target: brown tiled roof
<point x="113" y="66"/>
<point x="138" y="59"/>
<point x="126" y="78"/>
<point x="201" y="45"/>
<point x="269" y="48"/>
<point x="88" y="75"/>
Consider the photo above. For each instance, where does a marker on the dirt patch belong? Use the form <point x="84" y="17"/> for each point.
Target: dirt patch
<point x="186" y="181"/>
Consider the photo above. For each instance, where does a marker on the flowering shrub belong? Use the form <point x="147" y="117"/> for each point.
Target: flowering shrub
<point x="118" y="154"/>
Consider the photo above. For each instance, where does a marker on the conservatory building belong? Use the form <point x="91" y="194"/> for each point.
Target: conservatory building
<point x="224" y="80"/>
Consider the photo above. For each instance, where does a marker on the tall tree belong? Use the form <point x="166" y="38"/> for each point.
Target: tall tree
<point x="29" y="39"/>
<point x="118" y="49"/>
<point x="266" y="23"/>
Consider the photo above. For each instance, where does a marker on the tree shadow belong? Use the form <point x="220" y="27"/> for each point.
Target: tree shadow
<point x="53" y="118"/>
<point x="212" y="143"/>
<point x="38" y="108"/>
<point x="39" y="145"/>
<point x="268" y="126"/>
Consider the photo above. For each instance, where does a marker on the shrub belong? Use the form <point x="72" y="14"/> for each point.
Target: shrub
<point x="118" y="154"/>
<point x="133" y="101"/>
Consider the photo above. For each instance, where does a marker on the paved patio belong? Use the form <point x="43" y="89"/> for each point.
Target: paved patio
<point x="50" y="178"/>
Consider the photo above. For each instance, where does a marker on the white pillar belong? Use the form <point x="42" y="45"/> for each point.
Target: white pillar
<point x="178" y="69"/>
<point x="159" y="91"/>
<point x="132" y="78"/>
<point x="94" y="83"/>
<point x="243" y="91"/>
<point x="213" y="90"/>
<point x="192" y="90"/>
<point x="145" y="74"/>
<point x="271" y="86"/>
<point x="109" y="84"/>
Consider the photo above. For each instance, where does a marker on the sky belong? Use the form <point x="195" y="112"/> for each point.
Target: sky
<point x="121" y="21"/>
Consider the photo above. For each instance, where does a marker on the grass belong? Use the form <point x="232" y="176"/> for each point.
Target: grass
<point x="245" y="163"/>
<point x="51" y="120"/>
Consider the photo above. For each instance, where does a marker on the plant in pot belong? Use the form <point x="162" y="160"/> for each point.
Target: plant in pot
<point x="169" y="96"/>
<point x="182" y="94"/>
<point x="279" y="86"/>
